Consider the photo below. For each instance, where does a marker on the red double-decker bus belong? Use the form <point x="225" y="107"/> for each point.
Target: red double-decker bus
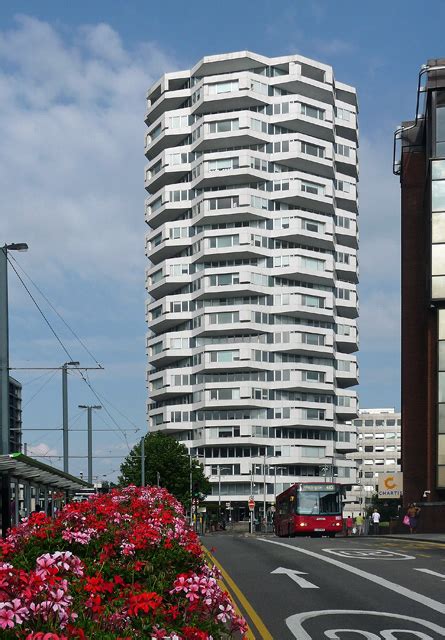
<point x="309" y="508"/>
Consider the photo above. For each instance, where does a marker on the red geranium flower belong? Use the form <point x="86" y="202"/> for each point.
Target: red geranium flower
<point x="146" y="602"/>
<point x="192" y="633"/>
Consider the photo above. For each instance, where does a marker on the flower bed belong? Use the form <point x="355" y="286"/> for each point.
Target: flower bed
<point x="122" y="565"/>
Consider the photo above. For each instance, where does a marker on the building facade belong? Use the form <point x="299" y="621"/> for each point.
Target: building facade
<point x="422" y="178"/>
<point x="252" y="309"/>
<point x="379" y="449"/>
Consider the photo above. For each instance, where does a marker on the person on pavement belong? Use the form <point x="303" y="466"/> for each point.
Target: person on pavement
<point x="375" y="517"/>
<point x="413" y="515"/>
<point x="360" y="524"/>
<point x="349" y="525"/>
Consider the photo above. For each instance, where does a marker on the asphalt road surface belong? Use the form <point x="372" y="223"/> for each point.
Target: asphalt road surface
<point x="334" y="589"/>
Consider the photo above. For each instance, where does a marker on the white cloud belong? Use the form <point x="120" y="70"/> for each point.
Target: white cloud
<point x="71" y="159"/>
<point x="41" y="449"/>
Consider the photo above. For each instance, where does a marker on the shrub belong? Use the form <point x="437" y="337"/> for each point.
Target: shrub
<point x="119" y="566"/>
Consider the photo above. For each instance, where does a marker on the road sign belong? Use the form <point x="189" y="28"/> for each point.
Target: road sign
<point x="390" y="485"/>
<point x="251" y="504"/>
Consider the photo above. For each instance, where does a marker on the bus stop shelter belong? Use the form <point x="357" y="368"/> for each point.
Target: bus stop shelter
<point x="51" y="487"/>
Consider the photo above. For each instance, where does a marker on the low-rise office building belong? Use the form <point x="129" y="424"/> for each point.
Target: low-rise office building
<point x="378" y="451"/>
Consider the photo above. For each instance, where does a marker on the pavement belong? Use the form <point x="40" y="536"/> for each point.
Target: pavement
<point x="419" y="537"/>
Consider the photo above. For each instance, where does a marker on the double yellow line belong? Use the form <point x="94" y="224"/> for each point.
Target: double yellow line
<point x="242" y="605"/>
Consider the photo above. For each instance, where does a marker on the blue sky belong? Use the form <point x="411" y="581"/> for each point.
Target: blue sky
<point x="73" y="78"/>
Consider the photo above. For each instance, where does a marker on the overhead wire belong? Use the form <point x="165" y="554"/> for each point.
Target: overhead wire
<point x="32" y="380"/>
<point x="47" y="381"/>
<point x="57" y="313"/>
<point x="66" y="350"/>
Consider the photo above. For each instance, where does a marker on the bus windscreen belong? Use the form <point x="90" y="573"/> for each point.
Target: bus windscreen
<point x="318" y="503"/>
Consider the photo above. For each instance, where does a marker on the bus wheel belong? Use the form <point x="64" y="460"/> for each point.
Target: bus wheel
<point x="332" y="534"/>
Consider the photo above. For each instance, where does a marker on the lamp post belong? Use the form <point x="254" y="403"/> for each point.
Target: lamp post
<point x="89" y="408"/>
<point x="264" y="492"/>
<point x="4" y="379"/>
<point x="65" y="412"/>
<point x="197" y="455"/>
<point x="275" y="480"/>
<point x="252" y="477"/>
<point x="219" y="489"/>
<point x="143" y="461"/>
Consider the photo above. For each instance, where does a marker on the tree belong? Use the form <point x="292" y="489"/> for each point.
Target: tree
<point x="168" y="460"/>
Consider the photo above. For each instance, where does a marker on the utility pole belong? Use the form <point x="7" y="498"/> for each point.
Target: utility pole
<point x="89" y="408"/>
<point x="4" y="380"/>
<point x="219" y="494"/>
<point x="143" y="461"/>
<point x="191" y="490"/>
<point x="264" y="493"/>
<point x="65" y="412"/>
<point x="251" y="493"/>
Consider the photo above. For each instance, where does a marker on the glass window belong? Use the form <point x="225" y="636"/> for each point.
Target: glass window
<point x="438" y="259"/>
<point x="438" y="287"/>
<point x="438" y="195"/>
<point x="441" y="376"/>
<point x="440" y="124"/>
<point x="312" y="187"/>
<point x="312" y="112"/>
<point x="438" y="227"/>
<point x="224" y="356"/>
<point x="223" y="87"/>
<point x="438" y="169"/>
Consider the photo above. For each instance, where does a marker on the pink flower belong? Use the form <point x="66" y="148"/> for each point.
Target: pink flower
<point x="226" y="612"/>
<point x="20" y="612"/>
<point x="6" y="616"/>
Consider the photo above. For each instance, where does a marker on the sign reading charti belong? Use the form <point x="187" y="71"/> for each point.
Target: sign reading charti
<point x="390" y="485"/>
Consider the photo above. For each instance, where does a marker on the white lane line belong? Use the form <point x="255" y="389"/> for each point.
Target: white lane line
<point x="393" y="586"/>
<point x="432" y="573"/>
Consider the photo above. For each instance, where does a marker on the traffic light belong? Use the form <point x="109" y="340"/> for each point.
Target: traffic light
<point x="196" y="492"/>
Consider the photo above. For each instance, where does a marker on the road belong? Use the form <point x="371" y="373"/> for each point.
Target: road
<point x="335" y="589"/>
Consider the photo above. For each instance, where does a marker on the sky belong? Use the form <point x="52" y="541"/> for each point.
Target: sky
<point x="73" y="80"/>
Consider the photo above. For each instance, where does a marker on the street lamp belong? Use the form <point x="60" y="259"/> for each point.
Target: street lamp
<point x="65" y="411"/>
<point x="197" y="455"/>
<point x="219" y="488"/>
<point x="89" y="408"/>
<point x="4" y="378"/>
<point x="275" y="480"/>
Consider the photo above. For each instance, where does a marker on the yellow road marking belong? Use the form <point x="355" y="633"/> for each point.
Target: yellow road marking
<point x="249" y="635"/>
<point x="264" y="633"/>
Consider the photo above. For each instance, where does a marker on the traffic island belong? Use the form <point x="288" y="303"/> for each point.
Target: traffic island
<point x="121" y="565"/>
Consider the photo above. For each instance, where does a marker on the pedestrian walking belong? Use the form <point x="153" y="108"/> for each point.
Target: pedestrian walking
<point x="360" y="524"/>
<point x="375" y="517"/>
<point x="412" y="516"/>
<point x="349" y="525"/>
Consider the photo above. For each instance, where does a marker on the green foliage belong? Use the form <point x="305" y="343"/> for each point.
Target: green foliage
<point x="170" y="459"/>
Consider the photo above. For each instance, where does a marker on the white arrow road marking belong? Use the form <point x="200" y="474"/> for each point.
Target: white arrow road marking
<point x="432" y="573"/>
<point x="295" y="576"/>
<point x="393" y="586"/>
